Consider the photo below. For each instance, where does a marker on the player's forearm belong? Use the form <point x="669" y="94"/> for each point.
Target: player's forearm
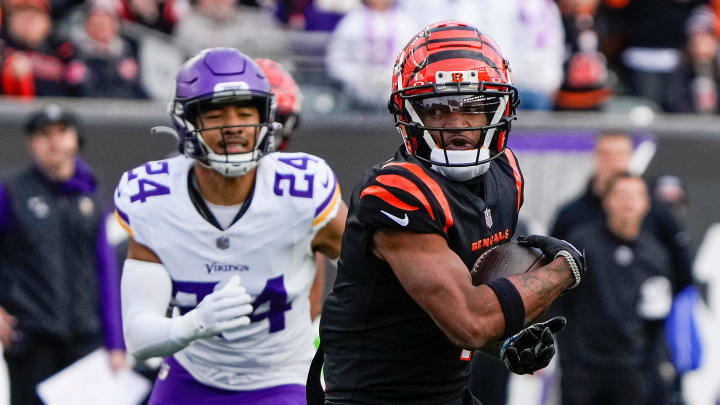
<point x="149" y="335"/>
<point x="145" y="295"/>
<point x="471" y="317"/>
<point x="318" y="287"/>
<point x="541" y="287"/>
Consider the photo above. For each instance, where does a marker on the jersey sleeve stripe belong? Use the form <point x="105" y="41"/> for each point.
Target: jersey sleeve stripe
<point x="330" y="207"/>
<point x="330" y="197"/>
<point x="386" y="196"/>
<point x="124" y="221"/>
<point x="518" y="176"/>
<point x="434" y="188"/>
<point x="122" y="215"/>
<point x="394" y="180"/>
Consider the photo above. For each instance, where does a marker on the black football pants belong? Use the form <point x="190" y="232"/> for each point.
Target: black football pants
<point x="587" y="386"/>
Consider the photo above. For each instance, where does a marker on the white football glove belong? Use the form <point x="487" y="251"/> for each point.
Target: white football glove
<point x="225" y="309"/>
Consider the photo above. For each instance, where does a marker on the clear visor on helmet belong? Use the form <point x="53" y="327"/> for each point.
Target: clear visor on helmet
<point x="459" y="129"/>
<point x="438" y="108"/>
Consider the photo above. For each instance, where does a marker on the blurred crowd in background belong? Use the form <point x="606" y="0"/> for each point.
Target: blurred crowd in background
<point x="566" y="54"/>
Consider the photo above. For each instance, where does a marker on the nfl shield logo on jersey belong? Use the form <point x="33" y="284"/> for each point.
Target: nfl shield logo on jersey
<point x="164" y="370"/>
<point x="222" y="242"/>
<point x="488" y="218"/>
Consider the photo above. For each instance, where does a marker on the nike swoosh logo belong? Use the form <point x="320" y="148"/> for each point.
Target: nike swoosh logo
<point x="401" y="221"/>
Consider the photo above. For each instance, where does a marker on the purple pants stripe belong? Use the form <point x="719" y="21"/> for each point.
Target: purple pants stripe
<point x="178" y="387"/>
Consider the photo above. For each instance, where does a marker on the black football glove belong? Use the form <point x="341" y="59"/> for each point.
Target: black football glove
<point x="553" y="247"/>
<point x="532" y="348"/>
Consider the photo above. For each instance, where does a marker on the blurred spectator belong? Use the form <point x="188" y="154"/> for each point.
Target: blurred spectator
<point x="313" y="15"/>
<point x="363" y="48"/>
<point x="292" y="12"/>
<point x="537" y="53"/>
<point x="34" y="60"/>
<point x="613" y="152"/>
<point x="489" y="16"/>
<point x="671" y="190"/>
<point x="105" y="63"/>
<point x="58" y="271"/>
<point x="585" y="84"/>
<point x="703" y="30"/>
<point x="60" y="9"/>
<point x="324" y="15"/>
<point x="674" y="352"/>
<point x="160" y="15"/>
<point x="224" y="23"/>
<point x="424" y="12"/>
<point x="654" y="38"/>
<point x="626" y="293"/>
<point x="530" y="31"/>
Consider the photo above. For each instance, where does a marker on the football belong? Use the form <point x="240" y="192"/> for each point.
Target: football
<point x="506" y="260"/>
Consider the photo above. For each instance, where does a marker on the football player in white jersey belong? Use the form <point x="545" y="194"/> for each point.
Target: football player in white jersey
<point x="225" y="234"/>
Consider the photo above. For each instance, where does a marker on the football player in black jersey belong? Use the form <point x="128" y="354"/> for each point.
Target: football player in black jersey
<point x="403" y="317"/>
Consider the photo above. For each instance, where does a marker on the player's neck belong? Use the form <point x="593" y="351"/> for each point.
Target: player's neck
<point x="222" y="190"/>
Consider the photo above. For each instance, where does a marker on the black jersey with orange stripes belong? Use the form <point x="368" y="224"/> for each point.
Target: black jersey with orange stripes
<point x="380" y="346"/>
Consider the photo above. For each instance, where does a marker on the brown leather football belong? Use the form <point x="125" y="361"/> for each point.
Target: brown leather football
<point x="506" y="260"/>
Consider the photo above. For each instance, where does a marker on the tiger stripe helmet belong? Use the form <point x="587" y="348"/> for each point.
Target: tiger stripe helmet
<point x="456" y="64"/>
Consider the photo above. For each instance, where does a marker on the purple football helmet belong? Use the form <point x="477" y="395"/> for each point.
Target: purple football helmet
<point x="220" y="76"/>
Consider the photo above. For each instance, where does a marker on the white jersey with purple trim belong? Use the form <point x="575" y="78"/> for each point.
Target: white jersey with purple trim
<point x="294" y="196"/>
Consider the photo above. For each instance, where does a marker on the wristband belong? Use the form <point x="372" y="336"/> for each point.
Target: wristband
<point x="512" y="305"/>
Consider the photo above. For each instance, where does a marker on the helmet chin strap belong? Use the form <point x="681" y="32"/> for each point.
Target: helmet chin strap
<point x="461" y="173"/>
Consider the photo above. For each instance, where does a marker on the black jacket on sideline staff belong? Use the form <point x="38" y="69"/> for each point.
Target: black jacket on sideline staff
<point x="660" y="222"/>
<point x="604" y="327"/>
<point x="58" y="279"/>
